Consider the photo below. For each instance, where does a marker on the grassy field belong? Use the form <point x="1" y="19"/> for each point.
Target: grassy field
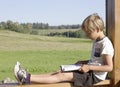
<point x="39" y="54"/>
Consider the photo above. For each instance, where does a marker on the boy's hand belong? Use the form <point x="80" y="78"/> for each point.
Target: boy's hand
<point x="85" y="68"/>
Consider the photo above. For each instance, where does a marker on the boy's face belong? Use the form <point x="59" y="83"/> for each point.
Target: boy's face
<point x="91" y="34"/>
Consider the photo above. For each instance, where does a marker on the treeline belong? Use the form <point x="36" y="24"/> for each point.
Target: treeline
<point x="17" y="27"/>
<point x="46" y="26"/>
<point x="75" y="34"/>
<point x="33" y="28"/>
<point x="27" y="27"/>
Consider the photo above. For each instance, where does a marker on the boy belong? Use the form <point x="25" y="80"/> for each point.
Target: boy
<point x="91" y="72"/>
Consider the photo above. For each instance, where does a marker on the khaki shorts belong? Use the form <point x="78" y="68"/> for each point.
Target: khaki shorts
<point x="84" y="79"/>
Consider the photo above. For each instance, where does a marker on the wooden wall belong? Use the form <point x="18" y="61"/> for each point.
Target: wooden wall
<point x="113" y="32"/>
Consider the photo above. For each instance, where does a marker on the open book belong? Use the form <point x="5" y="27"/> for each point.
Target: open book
<point x="71" y="67"/>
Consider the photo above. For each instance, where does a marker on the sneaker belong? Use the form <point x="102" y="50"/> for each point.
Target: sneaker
<point x="20" y="74"/>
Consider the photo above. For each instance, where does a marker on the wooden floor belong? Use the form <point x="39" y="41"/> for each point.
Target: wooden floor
<point x="53" y="85"/>
<point x="106" y="83"/>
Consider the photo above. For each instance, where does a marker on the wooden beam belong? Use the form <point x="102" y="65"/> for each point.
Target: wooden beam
<point x="113" y="32"/>
<point x="106" y="83"/>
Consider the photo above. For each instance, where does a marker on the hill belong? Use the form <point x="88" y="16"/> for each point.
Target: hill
<point x="16" y="41"/>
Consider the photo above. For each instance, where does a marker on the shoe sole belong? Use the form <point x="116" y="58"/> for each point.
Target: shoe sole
<point x="16" y="69"/>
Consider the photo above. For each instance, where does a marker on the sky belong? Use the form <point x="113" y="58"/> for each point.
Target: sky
<point x="53" y="12"/>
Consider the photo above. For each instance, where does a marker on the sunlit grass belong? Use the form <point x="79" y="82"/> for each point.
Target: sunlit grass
<point x="15" y="41"/>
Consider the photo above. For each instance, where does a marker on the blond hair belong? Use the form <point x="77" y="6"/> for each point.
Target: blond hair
<point x="93" y="22"/>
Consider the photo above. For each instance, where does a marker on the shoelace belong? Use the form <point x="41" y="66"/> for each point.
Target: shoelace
<point x="22" y="73"/>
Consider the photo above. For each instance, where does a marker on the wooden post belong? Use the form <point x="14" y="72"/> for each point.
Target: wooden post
<point x="113" y="32"/>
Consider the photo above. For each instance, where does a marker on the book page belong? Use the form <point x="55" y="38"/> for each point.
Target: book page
<point x="71" y="67"/>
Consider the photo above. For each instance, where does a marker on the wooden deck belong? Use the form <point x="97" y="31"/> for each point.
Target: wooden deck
<point x="106" y="83"/>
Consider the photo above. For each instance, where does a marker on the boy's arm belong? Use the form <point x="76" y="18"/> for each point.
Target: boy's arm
<point x="107" y="67"/>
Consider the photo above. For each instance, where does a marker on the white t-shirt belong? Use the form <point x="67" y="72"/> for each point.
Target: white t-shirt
<point x="99" y="48"/>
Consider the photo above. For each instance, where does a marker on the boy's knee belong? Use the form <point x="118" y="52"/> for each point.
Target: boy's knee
<point x="65" y="76"/>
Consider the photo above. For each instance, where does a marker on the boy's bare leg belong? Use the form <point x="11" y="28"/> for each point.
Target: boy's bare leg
<point x="25" y="78"/>
<point x="47" y="74"/>
<point x="52" y="78"/>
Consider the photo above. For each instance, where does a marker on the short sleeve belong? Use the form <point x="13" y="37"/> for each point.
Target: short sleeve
<point x="107" y="48"/>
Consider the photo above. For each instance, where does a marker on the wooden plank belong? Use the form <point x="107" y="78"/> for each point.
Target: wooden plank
<point x="62" y="85"/>
<point x="106" y="83"/>
<point x="48" y="85"/>
<point x="117" y="43"/>
<point x="53" y="85"/>
<point x="113" y="31"/>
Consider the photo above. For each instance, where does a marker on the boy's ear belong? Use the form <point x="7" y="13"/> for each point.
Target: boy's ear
<point x="98" y="29"/>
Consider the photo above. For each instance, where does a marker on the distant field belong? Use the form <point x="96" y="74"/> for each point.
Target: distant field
<point x="15" y="41"/>
<point x="48" y="31"/>
<point x="39" y="54"/>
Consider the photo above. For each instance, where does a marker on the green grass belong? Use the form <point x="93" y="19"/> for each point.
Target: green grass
<point x="39" y="54"/>
<point x="38" y="61"/>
